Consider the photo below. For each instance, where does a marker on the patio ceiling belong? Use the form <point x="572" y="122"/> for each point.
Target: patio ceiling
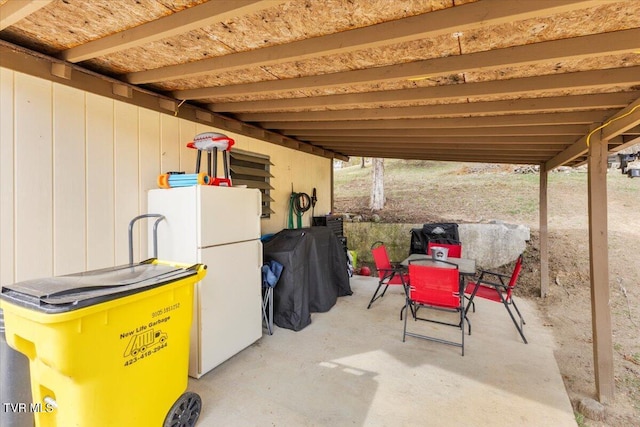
<point x="522" y="82"/>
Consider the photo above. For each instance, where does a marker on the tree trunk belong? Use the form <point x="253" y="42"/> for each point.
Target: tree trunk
<point x="362" y="163"/>
<point x="377" y="190"/>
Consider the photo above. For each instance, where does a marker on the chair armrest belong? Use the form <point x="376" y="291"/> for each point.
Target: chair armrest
<point x="389" y="273"/>
<point x="495" y="273"/>
<point x="390" y="270"/>
<point x="500" y="277"/>
<point x="492" y="284"/>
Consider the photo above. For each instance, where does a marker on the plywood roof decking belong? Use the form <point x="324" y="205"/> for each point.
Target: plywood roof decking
<point x="343" y="75"/>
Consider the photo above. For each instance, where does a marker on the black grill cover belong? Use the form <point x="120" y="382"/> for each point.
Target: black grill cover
<point x="314" y="275"/>
<point x="418" y="242"/>
<point x="444" y="232"/>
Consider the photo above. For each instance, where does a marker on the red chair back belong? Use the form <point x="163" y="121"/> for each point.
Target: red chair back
<point x="381" y="259"/>
<point x="455" y="251"/>
<point x="434" y="285"/>
<point x="514" y="277"/>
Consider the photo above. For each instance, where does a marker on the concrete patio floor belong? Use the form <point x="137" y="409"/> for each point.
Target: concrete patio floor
<point x="349" y="367"/>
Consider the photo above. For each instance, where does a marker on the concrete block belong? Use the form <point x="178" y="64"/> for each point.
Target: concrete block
<point x="592" y="409"/>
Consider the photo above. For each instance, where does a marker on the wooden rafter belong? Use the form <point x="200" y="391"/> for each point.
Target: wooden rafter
<point x="426" y="140"/>
<point x="13" y="11"/>
<point x="582" y="117"/>
<point x="626" y="118"/>
<point x="171" y="25"/>
<point x="443" y="148"/>
<point x="452" y="156"/>
<point x="471" y="16"/>
<point x="537" y="131"/>
<point x="443" y="145"/>
<point x="529" y="86"/>
<point x="618" y="42"/>
<point x="522" y="105"/>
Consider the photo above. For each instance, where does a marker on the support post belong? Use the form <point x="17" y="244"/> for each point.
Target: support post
<point x="331" y="185"/>
<point x="599" y="269"/>
<point x="544" y="232"/>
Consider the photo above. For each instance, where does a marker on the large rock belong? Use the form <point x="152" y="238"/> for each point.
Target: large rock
<point x="493" y="244"/>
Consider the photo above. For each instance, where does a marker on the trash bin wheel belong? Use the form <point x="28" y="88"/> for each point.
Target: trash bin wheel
<point x="185" y="411"/>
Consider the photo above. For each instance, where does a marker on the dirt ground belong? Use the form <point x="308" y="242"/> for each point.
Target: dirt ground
<point x="567" y="308"/>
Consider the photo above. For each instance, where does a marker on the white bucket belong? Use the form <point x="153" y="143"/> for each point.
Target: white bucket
<point x="439" y="253"/>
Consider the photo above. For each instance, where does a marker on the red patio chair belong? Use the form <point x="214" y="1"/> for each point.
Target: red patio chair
<point x="389" y="274"/>
<point x="436" y="288"/>
<point x="455" y="250"/>
<point x="498" y="291"/>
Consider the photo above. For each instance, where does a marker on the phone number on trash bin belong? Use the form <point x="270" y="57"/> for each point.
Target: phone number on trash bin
<point x="147" y="353"/>
<point x="165" y="310"/>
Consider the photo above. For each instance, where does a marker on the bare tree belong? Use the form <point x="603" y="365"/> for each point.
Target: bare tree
<point x="377" y="189"/>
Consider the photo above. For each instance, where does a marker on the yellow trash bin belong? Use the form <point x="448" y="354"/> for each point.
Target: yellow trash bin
<point x="108" y="347"/>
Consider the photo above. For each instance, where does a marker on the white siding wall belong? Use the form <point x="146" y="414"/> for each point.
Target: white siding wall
<point x="76" y="167"/>
<point x="69" y="225"/>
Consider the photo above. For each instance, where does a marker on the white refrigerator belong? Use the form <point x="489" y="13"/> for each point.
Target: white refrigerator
<point x="219" y="227"/>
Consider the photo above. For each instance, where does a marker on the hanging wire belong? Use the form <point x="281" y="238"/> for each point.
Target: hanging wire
<point x="609" y="122"/>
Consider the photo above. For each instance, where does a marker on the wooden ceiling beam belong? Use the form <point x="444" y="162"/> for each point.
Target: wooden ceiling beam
<point x="556" y="131"/>
<point x="14" y="11"/>
<point x="627" y="142"/>
<point x="612" y="43"/>
<point x="449" y="157"/>
<point x="613" y="127"/>
<point x="529" y="86"/>
<point x="341" y="146"/>
<point x="375" y="152"/>
<point x="467" y="152"/>
<point x="177" y="23"/>
<point x="456" y="156"/>
<point x="566" y="139"/>
<point x="627" y="119"/>
<point x="433" y="24"/>
<point x="522" y="105"/>
<point x="633" y="131"/>
<point x="582" y="117"/>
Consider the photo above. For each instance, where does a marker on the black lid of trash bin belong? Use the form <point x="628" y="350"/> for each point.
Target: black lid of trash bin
<point x="71" y="292"/>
